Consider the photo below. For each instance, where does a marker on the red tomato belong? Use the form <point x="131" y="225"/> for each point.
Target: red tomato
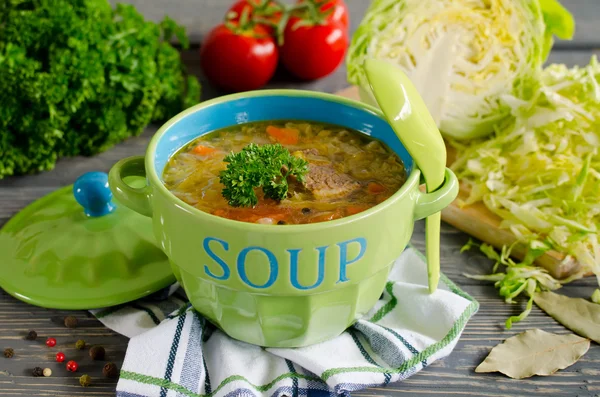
<point x="238" y="8"/>
<point x="239" y="62"/>
<point x="312" y="52"/>
<point x="340" y="10"/>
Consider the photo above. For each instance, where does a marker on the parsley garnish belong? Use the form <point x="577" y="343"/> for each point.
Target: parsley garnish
<point x="267" y="166"/>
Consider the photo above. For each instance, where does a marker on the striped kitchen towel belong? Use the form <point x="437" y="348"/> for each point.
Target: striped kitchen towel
<point x="175" y="352"/>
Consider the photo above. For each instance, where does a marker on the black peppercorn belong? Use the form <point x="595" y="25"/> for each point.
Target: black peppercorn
<point x="306" y="210"/>
<point x="85" y="380"/>
<point x="281" y="223"/>
<point x="97" y="353"/>
<point x="32" y="335"/>
<point x="110" y="370"/>
<point x="80" y="344"/>
<point x="70" y="322"/>
<point x="8" y="353"/>
<point x="37" y="371"/>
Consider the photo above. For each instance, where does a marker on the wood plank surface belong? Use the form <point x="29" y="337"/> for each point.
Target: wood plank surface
<point x="452" y="376"/>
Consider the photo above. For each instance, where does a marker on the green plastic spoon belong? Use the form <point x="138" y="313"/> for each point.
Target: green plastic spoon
<point x="406" y="112"/>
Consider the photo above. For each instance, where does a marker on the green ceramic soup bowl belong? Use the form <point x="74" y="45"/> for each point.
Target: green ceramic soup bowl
<point x="278" y="286"/>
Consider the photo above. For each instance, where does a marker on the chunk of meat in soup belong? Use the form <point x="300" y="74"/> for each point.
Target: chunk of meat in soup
<point x="326" y="183"/>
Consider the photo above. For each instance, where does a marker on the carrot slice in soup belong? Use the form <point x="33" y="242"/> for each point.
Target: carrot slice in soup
<point x="355" y="209"/>
<point x="203" y="150"/>
<point x="285" y="136"/>
<point x="375" y="188"/>
<point x="220" y="212"/>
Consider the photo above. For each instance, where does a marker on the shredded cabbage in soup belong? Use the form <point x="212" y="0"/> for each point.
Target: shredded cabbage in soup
<point x="349" y="172"/>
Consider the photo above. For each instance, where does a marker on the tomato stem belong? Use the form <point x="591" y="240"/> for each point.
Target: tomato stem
<point x="258" y="12"/>
<point x="266" y="22"/>
<point x="281" y="27"/>
<point x="312" y="9"/>
<point x="244" y="18"/>
<point x="297" y="7"/>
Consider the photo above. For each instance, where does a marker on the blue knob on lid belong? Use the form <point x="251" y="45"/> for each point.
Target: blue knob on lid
<point x="92" y="192"/>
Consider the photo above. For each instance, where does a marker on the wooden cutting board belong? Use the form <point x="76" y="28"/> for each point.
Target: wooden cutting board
<point x="477" y="221"/>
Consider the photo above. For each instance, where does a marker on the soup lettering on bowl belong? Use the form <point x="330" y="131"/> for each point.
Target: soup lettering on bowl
<point x="284" y="172"/>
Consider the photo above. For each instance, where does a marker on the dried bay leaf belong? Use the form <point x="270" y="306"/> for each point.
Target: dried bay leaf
<point x="579" y="315"/>
<point x="534" y="352"/>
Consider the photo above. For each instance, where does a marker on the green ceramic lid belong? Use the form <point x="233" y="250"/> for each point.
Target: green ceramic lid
<point x="76" y="248"/>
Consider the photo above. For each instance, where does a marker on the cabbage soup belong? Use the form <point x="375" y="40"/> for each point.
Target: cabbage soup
<point x="282" y="173"/>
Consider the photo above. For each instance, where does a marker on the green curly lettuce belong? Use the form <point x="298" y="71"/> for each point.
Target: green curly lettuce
<point x="78" y="76"/>
<point x="461" y="55"/>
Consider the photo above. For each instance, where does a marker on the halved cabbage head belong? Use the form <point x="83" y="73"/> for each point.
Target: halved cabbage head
<point x="462" y="55"/>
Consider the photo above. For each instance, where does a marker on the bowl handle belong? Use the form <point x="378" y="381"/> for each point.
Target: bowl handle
<point x="430" y="203"/>
<point x="136" y="198"/>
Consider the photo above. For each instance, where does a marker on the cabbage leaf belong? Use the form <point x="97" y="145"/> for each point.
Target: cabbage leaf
<point x="559" y="22"/>
<point x="462" y="55"/>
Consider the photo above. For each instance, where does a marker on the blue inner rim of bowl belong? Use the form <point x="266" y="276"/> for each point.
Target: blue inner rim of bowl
<point x="275" y="107"/>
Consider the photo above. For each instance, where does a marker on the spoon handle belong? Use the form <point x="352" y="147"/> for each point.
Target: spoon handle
<point x="432" y="248"/>
<point x="408" y="115"/>
<point x="432" y="237"/>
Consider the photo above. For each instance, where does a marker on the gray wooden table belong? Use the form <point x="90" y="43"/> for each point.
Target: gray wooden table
<point x="453" y="375"/>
